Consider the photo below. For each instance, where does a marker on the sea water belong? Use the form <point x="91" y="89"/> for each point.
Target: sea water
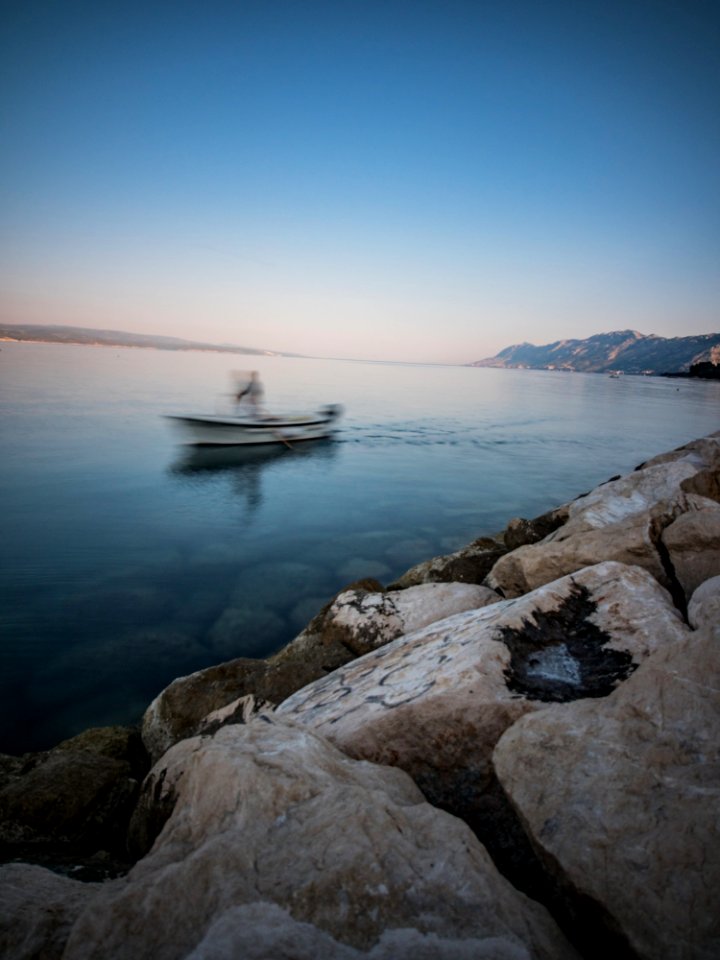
<point x="128" y="561"/>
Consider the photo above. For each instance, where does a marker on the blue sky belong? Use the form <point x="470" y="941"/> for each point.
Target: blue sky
<point x="426" y="181"/>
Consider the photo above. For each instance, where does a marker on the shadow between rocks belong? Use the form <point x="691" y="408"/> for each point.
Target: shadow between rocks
<point x="584" y="921"/>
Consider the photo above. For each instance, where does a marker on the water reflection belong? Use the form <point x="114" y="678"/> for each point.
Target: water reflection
<point x="244" y="465"/>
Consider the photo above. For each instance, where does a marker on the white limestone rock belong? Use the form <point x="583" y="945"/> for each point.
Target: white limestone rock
<point x="435" y="702"/>
<point x="270" y="813"/>
<point x="364" y="621"/>
<point x="622" y="798"/>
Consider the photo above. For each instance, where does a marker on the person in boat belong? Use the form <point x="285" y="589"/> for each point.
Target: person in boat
<point x="249" y="396"/>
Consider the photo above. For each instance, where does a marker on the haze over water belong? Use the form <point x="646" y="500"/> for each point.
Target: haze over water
<point x="126" y="563"/>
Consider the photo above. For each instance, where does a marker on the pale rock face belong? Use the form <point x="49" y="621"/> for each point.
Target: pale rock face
<point x="529" y="567"/>
<point x="622" y="798"/>
<point x="270" y="816"/>
<point x="436" y="701"/>
<point x="365" y="621"/>
<point x="629" y="496"/>
<point x="37" y="911"/>
<point x="621" y="520"/>
<point x="704" y="606"/>
<point x="703" y="453"/>
<point x="693" y="543"/>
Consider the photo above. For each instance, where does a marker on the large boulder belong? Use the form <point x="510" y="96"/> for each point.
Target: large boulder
<point x="360" y="618"/>
<point x="621" y="799"/>
<point x="273" y="829"/>
<point x="362" y="621"/>
<point x="620" y="520"/>
<point x="435" y="702"/>
<point x="693" y="545"/>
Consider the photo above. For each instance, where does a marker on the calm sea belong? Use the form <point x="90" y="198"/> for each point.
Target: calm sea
<point x="126" y="564"/>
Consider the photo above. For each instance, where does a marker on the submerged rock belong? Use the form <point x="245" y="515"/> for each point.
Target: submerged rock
<point x="244" y="631"/>
<point x="274" y="833"/>
<point x="622" y="798"/>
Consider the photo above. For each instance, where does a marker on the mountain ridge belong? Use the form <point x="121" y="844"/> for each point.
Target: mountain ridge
<point x="622" y="351"/>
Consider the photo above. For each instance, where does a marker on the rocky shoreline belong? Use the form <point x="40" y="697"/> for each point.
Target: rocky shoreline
<point x="511" y="752"/>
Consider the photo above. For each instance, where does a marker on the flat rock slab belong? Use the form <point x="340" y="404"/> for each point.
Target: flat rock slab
<point x="274" y="834"/>
<point x="622" y="798"/>
<point x="435" y="702"/>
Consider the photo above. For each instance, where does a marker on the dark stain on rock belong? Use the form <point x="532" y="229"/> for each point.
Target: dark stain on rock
<point x="562" y="656"/>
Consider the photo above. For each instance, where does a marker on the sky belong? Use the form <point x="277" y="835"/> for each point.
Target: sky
<point x="416" y="181"/>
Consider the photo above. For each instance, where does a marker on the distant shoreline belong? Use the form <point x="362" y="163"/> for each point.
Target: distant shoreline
<point x="141" y="346"/>
<point x="139" y="341"/>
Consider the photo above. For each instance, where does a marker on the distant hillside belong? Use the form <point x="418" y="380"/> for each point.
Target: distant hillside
<point x="626" y="351"/>
<point x="119" y="338"/>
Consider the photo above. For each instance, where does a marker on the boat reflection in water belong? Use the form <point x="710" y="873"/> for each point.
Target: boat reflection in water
<point x="244" y="465"/>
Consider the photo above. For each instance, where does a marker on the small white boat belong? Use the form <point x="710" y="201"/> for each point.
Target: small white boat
<point x="217" y="430"/>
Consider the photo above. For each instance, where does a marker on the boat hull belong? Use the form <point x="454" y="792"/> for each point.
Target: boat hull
<point x="219" y="431"/>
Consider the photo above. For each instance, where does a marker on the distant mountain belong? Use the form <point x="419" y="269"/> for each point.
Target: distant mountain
<point x="626" y="351"/>
<point x="119" y="338"/>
